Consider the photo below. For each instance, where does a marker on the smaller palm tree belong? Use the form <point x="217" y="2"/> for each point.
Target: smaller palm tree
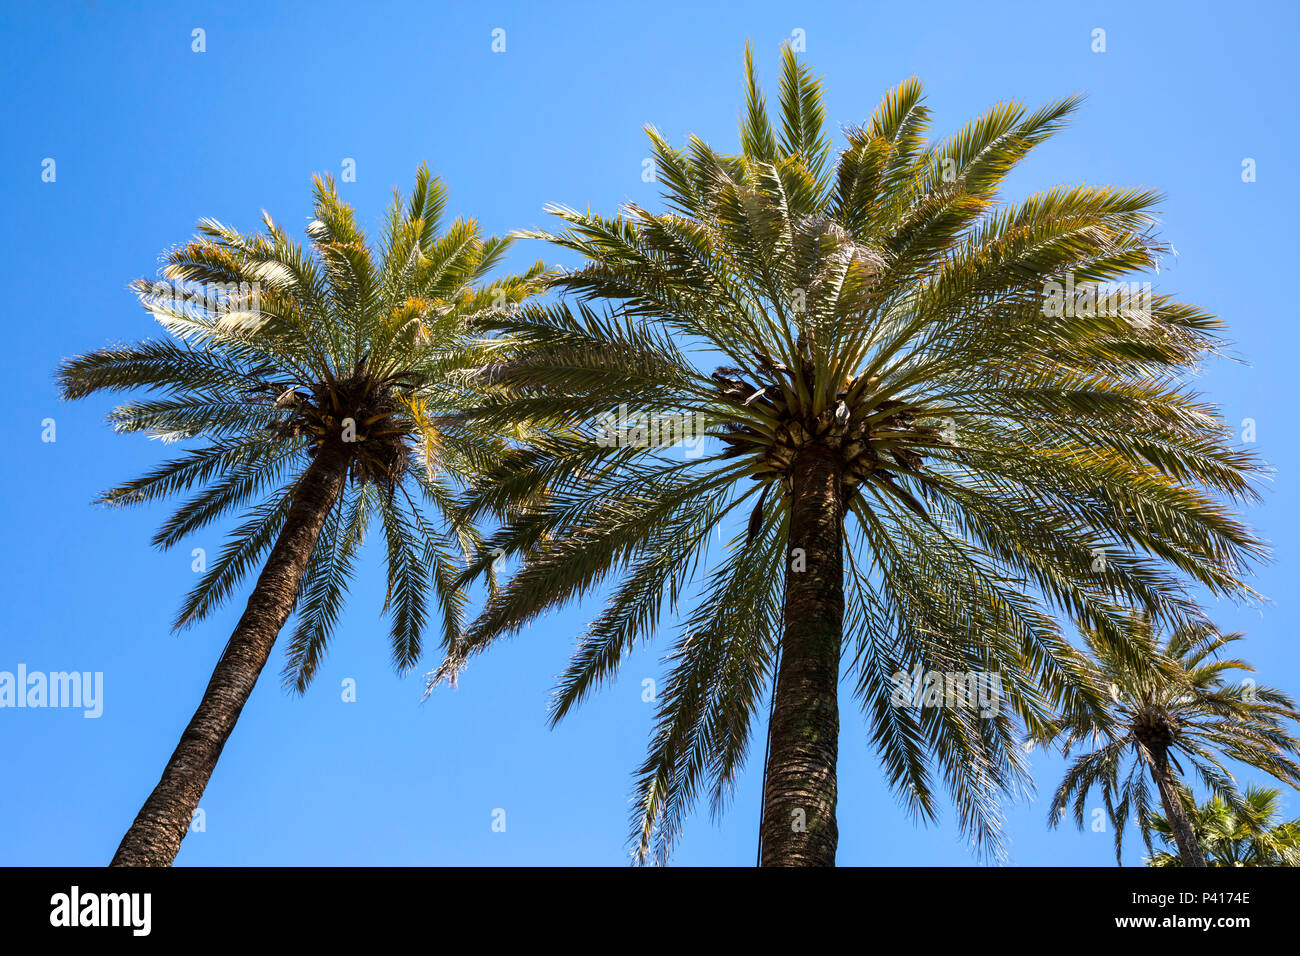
<point x="1170" y="702"/>
<point x="316" y="383"/>
<point x="1229" y="838"/>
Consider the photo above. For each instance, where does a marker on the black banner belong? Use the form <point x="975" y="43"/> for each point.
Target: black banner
<point x="331" y="905"/>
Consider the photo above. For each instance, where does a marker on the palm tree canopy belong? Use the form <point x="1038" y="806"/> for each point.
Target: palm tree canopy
<point x="1177" y="696"/>
<point x="881" y="302"/>
<point x="1256" y="838"/>
<point x="271" y="346"/>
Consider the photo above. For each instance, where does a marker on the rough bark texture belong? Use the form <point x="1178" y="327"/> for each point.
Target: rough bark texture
<point x="1189" y="848"/>
<point x="799" y="803"/>
<point x="155" y="837"/>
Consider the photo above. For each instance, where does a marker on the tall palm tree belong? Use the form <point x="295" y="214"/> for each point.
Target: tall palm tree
<point x="317" y="381"/>
<point x="936" y="448"/>
<point x="1170" y="701"/>
<point x="1229" y="838"/>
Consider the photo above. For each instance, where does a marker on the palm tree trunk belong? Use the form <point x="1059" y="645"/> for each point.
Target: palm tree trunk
<point x="155" y="837"/>
<point x="798" y="827"/>
<point x="1189" y="848"/>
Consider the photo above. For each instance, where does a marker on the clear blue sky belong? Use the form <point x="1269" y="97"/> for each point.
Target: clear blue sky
<point x="149" y="136"/>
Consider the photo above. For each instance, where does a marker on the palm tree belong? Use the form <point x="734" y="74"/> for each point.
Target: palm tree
<point x="933" y="453"/>
<point x="1168" y="702"/>
<point x="1228" y="838"/>
<point x="318" y="382"/>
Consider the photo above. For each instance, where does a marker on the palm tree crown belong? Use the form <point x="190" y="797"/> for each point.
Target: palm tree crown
<point x="275" y="352"/>
<point x="874" y="344"/>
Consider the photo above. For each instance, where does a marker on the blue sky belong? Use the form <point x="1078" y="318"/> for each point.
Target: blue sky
<point x="148" y="136"/>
